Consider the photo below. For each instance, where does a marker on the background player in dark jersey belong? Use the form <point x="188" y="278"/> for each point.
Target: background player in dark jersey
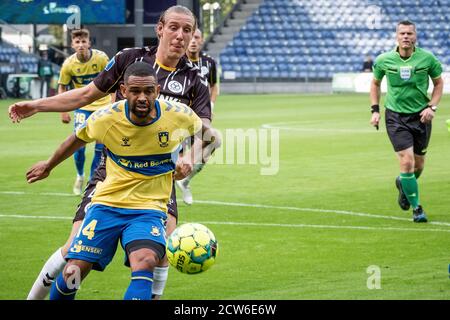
<point x="206" y="64"/>
<point x="208" y="68"/>
<point x="179" y="81"/>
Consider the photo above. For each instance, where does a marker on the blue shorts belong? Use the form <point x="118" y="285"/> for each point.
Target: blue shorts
<point x="104" y="226"/>
<point x="80" y="118"/>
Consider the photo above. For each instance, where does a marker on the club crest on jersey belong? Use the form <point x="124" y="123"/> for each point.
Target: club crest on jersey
<point x="175" y="86"/>
<point x="155" y="231"/>
<point x="405" y="72"/>
<point x="94" y="67"/>
<point x="125" y="142"/>
<point x="163" y="139"/>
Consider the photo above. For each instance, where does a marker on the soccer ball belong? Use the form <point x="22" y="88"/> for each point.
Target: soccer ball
<point x="192" y="248"/>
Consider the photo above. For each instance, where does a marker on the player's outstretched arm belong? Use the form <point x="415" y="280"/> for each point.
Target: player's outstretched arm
<point x="42" y="169"/>
<point x="67" y="101"/>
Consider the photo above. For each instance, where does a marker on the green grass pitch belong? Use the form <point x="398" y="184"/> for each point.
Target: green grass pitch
<point x="311" y="231"/>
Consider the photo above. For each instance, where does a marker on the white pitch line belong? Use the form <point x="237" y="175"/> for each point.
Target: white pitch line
<point x="262" y="206"/>
<point x="254" y="224"/>
<point x="291" y="127"/>
<point x="350" y="213"/>
<point x="21" y="216"/>
<point x="58" y="194"/>
<point x="319" y="226"/>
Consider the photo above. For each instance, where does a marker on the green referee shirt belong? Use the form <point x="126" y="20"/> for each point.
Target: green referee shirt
<point x="407" y="80"/>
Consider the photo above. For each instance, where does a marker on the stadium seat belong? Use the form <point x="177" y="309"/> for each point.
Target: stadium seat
<point x="302" y="39"/>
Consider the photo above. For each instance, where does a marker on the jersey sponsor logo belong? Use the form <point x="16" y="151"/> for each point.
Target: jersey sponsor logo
<point x="146" y="165"/>
<point x="142" y="164"/>
<point x="405" y="72"/>
<point x="125" y="163"/>
<point x="163" y="139"/>
<point x="175" y="86"/>
<point x="167" y="98"/>
<point x="79" y="247"/>
<point x="110" y="64"/>
<point x="84" y="80"/>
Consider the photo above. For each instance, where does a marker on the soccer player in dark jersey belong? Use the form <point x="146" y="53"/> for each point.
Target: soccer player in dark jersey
<point x="205" y="63"/>
<point x="208" y="68"/>
<point x="179" y="80"/>
<point x="409" y="111"/>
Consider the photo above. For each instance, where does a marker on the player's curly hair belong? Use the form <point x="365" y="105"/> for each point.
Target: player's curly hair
<point x="139" y="69"/>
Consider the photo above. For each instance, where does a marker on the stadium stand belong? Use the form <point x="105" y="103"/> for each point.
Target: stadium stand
<point x="311" y="40"/>
<point x="13" y="60"/>
<point x="16" y="63"/>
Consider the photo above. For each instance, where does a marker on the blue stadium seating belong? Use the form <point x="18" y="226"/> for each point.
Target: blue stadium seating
<point x="13" y="60"/>
<point x="295" y="39"/>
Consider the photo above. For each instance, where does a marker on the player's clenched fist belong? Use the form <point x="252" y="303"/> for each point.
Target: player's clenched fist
<point x="183" y="168"/>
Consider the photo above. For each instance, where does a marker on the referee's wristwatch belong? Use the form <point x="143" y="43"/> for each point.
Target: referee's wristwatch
<point x="433" y="107"/>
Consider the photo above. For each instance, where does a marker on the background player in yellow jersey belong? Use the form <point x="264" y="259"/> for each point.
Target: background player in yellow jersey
<point x="143" y="136"/>
<point x="79" y="70"/>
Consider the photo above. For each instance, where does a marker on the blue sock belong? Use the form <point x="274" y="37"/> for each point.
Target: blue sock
<point x="80" y="158"/>
<point x="97" y="157"/>
<point x="140" y="287"/>
<point x="60" y="291"/>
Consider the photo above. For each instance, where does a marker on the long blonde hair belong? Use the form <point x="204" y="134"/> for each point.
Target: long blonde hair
<point x="176" y="9"/>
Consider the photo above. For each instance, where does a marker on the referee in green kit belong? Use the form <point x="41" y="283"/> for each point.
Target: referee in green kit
<point x="409" y="110"/>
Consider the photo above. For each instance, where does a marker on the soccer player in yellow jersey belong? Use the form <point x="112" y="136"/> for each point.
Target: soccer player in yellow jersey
<point x="175" y="30"/>
<point x="79" y="70"/>
<point x="143" y="136"/>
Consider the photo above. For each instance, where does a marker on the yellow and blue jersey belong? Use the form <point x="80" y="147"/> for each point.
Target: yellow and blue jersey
<point x="80" y="74"/>
<point x="141" y="158"/>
